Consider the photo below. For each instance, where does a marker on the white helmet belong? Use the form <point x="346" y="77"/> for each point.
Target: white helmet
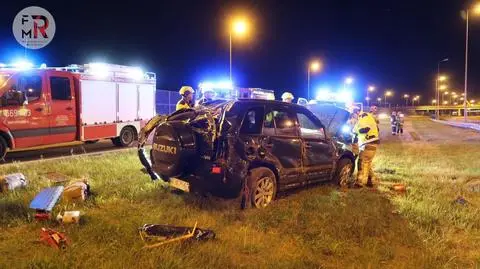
<point x="287" y="95"/>
<point x="185" y="89"/>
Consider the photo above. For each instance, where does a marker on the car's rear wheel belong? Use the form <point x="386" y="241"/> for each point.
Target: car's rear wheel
<point x="344" y="174"/>
<point x="263" y="187"/>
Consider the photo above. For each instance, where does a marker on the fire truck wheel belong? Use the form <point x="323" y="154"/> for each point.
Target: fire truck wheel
<point x="126" y="138"/>
<point x="3" y="148"/>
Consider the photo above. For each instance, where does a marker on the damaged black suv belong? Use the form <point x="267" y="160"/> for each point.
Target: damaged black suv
<point x="253" y="148"/>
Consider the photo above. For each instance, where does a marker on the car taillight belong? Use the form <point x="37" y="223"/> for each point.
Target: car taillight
<point x="216" y="170"/>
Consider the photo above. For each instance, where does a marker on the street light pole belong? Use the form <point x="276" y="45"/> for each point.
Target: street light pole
<point x="466" y="70"/>
<point x="308" y="83"/>
<point x="437" y="88"/>
<point x="230" y="54"/>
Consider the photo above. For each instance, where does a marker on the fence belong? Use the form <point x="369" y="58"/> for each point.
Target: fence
<point x="166" y="101"/>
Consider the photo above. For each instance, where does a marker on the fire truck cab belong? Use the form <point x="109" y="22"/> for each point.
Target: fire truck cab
<point x="46" y="107"/>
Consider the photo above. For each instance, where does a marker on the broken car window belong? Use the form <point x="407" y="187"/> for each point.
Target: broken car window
<point x="308" y="128"/>
<point x="252" y="122"/>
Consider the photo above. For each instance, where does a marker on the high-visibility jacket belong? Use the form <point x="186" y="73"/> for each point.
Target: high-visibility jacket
<point x="183" y="104"/>
<point x="366" y="129"/>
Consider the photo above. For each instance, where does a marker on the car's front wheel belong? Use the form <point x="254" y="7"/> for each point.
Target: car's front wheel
<point x="344" y="174"/>
<point x="263" y="187"/>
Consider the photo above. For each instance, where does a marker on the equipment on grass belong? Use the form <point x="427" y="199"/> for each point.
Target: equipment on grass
<point x="167" y="234"/>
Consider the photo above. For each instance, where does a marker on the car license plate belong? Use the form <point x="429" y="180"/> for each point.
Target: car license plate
<point x="180" y="184"/>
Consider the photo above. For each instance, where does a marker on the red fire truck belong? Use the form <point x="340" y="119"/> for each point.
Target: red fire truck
<point x="46" y="107"/>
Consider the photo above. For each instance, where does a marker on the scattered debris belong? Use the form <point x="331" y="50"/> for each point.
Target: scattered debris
<point x="387" y="171"/>
<point x="395" y="212"/>
<point x="53" y="238"/>
<point x="474" y="186"/>
<point x="168" y="234"/>
<point x="44" y="202"/>
<point x="399" y="187"/>
<point x="12" y="181"/>
<point x="77" y="191"/>
<point x="69" y="217"/>
<point x="460" y="200"/>
<point x="56" y="177"/>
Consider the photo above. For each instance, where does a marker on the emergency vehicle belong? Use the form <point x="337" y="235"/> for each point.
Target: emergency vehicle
<point x="55" y="106"/>
<point x="226" y="91"/>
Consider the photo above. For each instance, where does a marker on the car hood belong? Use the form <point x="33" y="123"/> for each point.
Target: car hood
<point x="332" y="116"/>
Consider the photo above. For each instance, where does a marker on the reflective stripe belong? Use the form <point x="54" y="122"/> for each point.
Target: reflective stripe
<point x="44" y="131"/>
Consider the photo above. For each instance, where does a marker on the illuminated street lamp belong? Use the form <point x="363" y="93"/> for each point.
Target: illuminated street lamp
<point x="443" y="96"/>
<point x="476" y="11"/>
<point x="445" y="102"/>
<point x="406" y="96"/>
<point x="379" y="101"/>
<point x="387" y="93"/>
<point x="434" y="101"/>
<point x="239" y="28"/>
<point x="347" y="81"/>
<point x="314" y="66"/>
<point x="443" y="87"/>
<point x="437" y="79"/>
<point x="472" y="101"/>
<point x="370" y="89"/>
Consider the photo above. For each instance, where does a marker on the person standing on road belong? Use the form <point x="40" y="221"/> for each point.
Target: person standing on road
<point x="366" y="130"/>
<point x="400" y="122"/>
<point x="187" y="97"/>
<point x="287" y="97"/>
<point x="373" y="112"/>
<point x="393" y="122"/>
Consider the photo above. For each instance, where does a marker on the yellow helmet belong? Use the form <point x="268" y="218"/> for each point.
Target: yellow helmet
<point x="185" y="89"/>
<point x="287" y="95"/>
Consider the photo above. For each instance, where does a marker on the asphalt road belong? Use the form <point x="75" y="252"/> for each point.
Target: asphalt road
<point x="422" y="129"/>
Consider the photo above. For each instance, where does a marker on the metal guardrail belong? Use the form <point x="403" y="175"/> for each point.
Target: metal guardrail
<point x="466" y="125"/>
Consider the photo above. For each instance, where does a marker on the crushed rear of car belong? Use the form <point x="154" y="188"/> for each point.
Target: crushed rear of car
<point x="253" y="148"/>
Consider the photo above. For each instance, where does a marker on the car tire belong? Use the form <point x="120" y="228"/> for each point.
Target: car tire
<point x="262" y="186"/>
<point x="343" y="175"/>
<point x="126" y="138"/>
<point x="3" y="148"/>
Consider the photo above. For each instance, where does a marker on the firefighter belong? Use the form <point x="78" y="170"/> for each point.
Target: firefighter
<point x="208" y="95"/>
<point x="287" y="97"/>
<point x="373" y="112"/>
<point x="366" y="130"/>
<point x="187" y="96"/>
<point x="393" y="122"/>
<point x="400" y="122"/>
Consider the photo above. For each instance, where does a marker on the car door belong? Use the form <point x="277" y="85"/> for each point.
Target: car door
<point x="27" y="122"/>
<point x="318" y="151"/>
<point x="282" y="140"/>
<point x="62" y="112"/>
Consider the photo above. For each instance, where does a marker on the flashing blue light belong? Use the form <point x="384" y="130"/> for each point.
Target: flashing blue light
<point x="22" y="64"/>
<point x="220" y="85"/>
<point x="346" y="129"/>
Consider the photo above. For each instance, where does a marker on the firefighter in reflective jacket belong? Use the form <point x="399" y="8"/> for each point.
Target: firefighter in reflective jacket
<point x="187" y="96"/>
<point x="368" y="139"/>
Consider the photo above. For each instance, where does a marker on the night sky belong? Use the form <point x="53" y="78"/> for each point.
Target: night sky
<point x="391" y="44"/>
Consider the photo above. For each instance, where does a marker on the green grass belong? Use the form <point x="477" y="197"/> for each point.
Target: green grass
<point x="318" y="227"/>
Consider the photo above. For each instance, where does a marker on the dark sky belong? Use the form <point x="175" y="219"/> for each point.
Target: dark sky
<point x="392" y="44"/>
